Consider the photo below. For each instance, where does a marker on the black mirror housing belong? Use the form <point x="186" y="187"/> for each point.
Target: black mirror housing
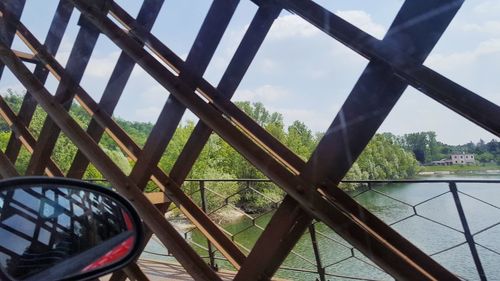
<point x="64" y="229"/>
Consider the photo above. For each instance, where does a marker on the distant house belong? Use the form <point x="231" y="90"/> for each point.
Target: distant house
<point x="463" y="159"/>
<point x="456" y="159"/>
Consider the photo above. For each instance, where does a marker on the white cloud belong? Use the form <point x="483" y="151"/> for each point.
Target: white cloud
<point x="492" y="27"/>
<point x="317" y="121"/>
<point x="155" y="93"/>
<point x="138" y="72"/>
<point x="102" y="66"/>
<point x="62" y="54"/>
<point x="147" y="114"/>
<point x="492" y="6"/>
<point x="416" y="112"/>
<point x="456" y="60"/>
<point x="489" y="47"/>
<point x="266" y="93"/>
<point x="363" y="21"/>
<point x="290" y="26"/>
<point x="16" y="88"/>
<point x="99" y="66"/>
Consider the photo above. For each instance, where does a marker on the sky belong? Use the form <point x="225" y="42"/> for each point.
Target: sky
<point x="299" y="71"/>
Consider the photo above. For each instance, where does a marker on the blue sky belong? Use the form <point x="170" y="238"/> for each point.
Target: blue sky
<point x="299" y="71"/>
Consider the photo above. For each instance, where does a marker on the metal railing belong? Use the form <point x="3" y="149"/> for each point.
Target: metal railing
<point x="314" y="260"/>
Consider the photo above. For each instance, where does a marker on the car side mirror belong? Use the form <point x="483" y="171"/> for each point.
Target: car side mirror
<point x="61" y="229"/>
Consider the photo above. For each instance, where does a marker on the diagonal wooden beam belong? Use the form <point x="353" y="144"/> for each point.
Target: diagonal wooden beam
<point x="22" y="133"/>
<point x="121" y="73"/>
<point x="7" y="169"/>
<point x="371" y="100"/>
<point x="135" y="273"/>
<point x="7" y="33"/>
<point x="52" y="42"/>
<point x="155" y="219"/>
<point x="75" y="67"/>
<point x="26" y="57"/>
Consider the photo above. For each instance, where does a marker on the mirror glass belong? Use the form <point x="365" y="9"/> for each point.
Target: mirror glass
<point x="50" y="232"/>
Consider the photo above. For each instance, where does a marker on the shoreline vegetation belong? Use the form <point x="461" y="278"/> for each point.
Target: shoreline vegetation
<point x="460" y="169"/>
<point x="460" y="172"/>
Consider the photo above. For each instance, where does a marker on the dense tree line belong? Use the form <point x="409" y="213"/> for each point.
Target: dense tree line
<point x="427" y="149"/>
<point x="384" y="157"/>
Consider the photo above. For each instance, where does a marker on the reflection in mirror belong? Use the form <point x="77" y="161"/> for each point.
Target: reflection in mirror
<point x="50" y="232"/>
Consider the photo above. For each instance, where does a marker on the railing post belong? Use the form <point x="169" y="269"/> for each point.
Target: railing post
<point x="468" y="236"/>
<point x="319" y="266"/>
<point x="204" y="208"/>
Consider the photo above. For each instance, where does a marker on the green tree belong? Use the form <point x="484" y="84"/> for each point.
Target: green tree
<point x="300" y="139"/>
<point x="383" y="158"/>
<point x="424" y="145"/>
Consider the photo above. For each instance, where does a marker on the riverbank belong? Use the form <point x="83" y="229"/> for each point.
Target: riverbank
<point x="459" y="169"/>
<point x="478" y="172"/>
<point x="223" y="216"/>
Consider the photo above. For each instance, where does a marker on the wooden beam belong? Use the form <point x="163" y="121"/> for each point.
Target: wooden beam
<point x="52" y="42"/>
<point x="121" y="73"/>
<point x="26" y="57"/>
<point x="135" y="273"/>
<point x="7" y="33"/>
<point x="7" y="169"/>
<point x="21" y="132"/>
<point x="157" y="197"/>
<point x="120" y="275"/>
<point x="75" y="67"/>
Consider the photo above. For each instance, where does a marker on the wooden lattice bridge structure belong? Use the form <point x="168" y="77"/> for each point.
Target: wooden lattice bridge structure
<point x="311" y="186"/>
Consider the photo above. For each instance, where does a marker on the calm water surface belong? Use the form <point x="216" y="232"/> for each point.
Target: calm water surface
<point x="435" y="227"/>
